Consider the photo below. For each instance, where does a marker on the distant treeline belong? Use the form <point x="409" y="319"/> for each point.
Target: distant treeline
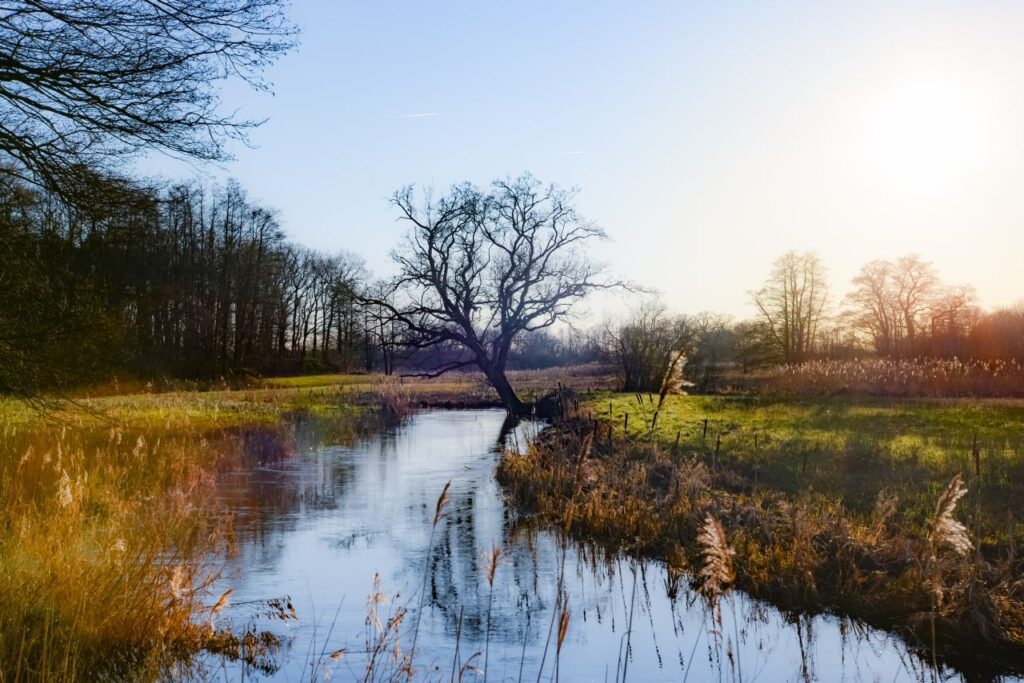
<point x="894" y="309"/>
<point x="181" y="280"/>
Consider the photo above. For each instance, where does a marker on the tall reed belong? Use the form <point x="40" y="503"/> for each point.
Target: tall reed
<point x="439" y="513"/>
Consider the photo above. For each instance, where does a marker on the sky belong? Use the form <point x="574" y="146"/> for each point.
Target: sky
<point x="706" y="138"/>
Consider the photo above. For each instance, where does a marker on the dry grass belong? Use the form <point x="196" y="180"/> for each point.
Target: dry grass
<point x="921" y="378"/>
<point x="109" y="523"/>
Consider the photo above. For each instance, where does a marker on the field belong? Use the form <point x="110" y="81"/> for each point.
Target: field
<point x="108" y="497"/>
<point x="850" y="450"/>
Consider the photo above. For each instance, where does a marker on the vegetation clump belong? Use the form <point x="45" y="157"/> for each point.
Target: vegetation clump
<point x="804" y="552"/>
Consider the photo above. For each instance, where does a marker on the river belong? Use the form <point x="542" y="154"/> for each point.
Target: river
<point x="320" y="525"/>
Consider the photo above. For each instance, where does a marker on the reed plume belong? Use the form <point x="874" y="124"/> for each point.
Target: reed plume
<point x="442" y="503"/>
<point x="491" y="559"/>
<point x="223" y="601"/>
<point x="717" y="572"/>
<point x="563" y="629"/>
<point x="945" y="529"/>
<point x="672" y="380"/>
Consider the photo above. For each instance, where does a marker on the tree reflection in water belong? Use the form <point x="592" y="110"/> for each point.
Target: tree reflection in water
<point x="320" y="522"/>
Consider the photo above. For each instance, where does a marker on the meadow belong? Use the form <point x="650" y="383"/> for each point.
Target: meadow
<point x="853" y="450"/>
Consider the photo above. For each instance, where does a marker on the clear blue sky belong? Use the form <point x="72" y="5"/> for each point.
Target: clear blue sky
<point x="707" y="138"/>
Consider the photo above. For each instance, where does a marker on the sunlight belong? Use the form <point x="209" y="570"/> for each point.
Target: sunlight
<point x="927" y="136"/>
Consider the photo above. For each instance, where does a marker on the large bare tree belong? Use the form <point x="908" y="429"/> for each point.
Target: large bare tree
<point x="893" y="300"/>
<point x="792" y="303"/>
<point x="872" y="306"/>
<point x="84" y="82"/>
<point x="480" y="267"/>
<point x="916" y="287"/>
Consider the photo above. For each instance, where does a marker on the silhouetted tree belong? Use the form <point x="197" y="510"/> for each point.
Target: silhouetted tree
<point x="479" y="268"/>
<point x="643" y="346"/>
<point x="792" y="303"/>
<point x="906" y="310"/>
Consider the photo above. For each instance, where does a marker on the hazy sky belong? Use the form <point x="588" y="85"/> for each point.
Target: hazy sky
<point x="707" y="138"/>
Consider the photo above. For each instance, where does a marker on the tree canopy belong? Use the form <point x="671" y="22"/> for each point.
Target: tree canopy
<point x="85" y="82"/>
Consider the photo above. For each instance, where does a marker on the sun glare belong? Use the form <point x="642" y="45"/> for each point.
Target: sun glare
<point x="927" y="137"/>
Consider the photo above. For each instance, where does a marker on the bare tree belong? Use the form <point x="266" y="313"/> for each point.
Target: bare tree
<point x="792" y="303"/>
<point x="894" y="302"/>
<point x="83" y="82"/>
<point x="643" y="347"/>
<point x="480" y="268"/>
<point x="916" y="287"/>
<point x="872" y="306"/>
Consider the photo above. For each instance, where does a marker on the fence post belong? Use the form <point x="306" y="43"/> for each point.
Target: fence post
<point x="976" y="454"/>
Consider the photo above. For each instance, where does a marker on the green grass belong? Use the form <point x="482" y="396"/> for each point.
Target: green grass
<point x="851" y="450"/>
<point x="308" y="381"/>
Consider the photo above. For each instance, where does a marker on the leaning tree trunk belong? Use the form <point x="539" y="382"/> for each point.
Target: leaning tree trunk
<point x="505" y="391"/>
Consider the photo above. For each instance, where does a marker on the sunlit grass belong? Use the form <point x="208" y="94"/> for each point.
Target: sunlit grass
<point x="109" y="519"/>
<point x="322" y="380"/>
<point x="852" y="450"/>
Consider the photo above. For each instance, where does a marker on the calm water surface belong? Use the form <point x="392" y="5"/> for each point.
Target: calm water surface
<point x="321" y="525"/>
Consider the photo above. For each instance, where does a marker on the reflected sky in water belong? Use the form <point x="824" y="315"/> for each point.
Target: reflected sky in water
<point x="319" y="526"/>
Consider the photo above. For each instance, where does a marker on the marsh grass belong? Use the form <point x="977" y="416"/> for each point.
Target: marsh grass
<point x="110" y="530"/>
<point x="803" y="551"/>
<point x="100" y="530"/>
<point x="917" y="377"/>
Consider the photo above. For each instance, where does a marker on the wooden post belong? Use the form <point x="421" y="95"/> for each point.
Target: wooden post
<point x="976" y="454"/>
<point x="704" y="436"/>
<point x="625" y="424"/>
<point x="676" y="447"/>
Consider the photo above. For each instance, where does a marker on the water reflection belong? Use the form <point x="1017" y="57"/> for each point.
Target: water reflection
<point x="319" y="525"/>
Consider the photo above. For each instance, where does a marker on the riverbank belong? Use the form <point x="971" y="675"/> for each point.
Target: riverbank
<point x="829" y="505"/>
<point x="110" y="516"/>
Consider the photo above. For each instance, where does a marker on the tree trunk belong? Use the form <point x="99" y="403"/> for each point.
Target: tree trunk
<point x="506" y="392"/>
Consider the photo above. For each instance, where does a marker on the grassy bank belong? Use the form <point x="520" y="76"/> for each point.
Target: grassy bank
<point x="852" y="451"/>
<point x="828" y="504"/>
<point x="110" y="518"/>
